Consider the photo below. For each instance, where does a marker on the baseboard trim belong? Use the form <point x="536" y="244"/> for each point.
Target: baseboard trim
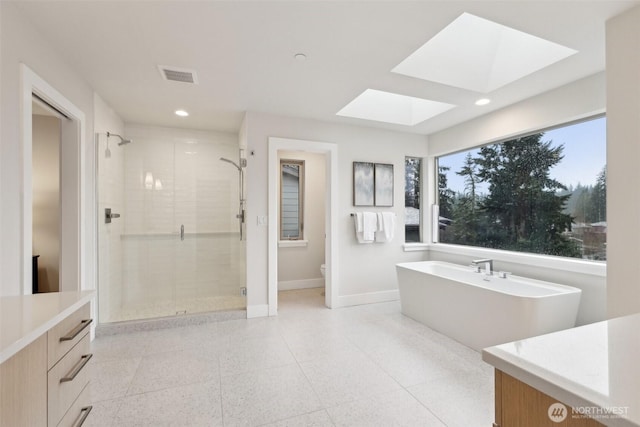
<point x="291" y="285"/>
<point x="259" y="310"/>
<point x="368" y="298"/>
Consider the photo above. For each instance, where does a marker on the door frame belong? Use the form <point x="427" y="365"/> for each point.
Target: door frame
<point x="73" y="246"/>
<point x="330" y="152"/>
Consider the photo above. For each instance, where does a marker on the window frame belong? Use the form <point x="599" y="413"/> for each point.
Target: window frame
<point x="599" y="266"/>
<point x="301" y="193"/>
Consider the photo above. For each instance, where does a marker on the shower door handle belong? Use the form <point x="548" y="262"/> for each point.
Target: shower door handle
<point x="108" y="215"/>
<point x="182" y="232"/>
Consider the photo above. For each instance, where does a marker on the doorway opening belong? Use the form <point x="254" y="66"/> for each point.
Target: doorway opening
<point x="301" y="222"/>
<point x="73" y="249"/>
<point x="46" y="129"/>
<point x="296" y="262"/>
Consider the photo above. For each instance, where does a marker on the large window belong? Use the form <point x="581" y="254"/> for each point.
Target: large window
<point x="542" y="193"/>
<point x="412" y="185"/>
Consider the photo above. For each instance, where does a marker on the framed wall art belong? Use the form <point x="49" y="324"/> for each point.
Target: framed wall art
<point x="383" y="177"/>
<point x="363" y="184"/>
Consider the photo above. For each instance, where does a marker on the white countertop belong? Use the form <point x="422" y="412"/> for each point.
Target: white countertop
<point x="24" y="318"/>
<point x="595" y="365"/>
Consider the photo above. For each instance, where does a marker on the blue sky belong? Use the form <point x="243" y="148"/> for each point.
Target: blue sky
<point x="584" y="155"/>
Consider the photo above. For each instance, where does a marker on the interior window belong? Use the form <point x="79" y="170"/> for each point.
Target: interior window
<point x="291" y="199"/>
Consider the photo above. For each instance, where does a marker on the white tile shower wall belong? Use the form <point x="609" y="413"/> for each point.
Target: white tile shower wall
<point x="110" y="195"/>
<point x="174" y="178"/>
<point x="110" y="192"/>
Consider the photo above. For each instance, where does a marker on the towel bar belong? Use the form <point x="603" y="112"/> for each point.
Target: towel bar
<point x="352" y="214"/>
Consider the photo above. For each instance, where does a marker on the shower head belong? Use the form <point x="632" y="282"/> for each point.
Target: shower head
<point x="232" y="162"/>
<point x="122" y="140"/>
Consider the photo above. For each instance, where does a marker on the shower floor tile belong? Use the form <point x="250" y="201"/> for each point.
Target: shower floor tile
<point x="159" y="308"/>
<point x="309" y="366"/>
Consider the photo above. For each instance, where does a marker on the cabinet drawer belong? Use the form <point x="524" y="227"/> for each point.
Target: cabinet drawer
<point x="67" y="379"/>
<point x="79" y="410"/>
<point x="67" y="333"/>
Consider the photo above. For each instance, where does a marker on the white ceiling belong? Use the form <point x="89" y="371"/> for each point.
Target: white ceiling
<point x="243" y="53"/>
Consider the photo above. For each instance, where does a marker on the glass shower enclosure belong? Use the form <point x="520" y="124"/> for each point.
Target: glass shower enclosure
<point x="168" y="236"/>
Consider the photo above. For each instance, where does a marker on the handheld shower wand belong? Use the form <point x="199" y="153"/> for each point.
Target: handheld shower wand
<point x="240" y="214"/>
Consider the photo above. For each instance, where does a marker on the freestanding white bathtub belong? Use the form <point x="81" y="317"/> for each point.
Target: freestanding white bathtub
<point x="479" y="310"/>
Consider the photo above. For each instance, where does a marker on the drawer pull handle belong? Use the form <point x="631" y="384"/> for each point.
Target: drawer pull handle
<point x="76" y="331"/>
<point x="84" y="413"/>
<point x="76" y="369"/>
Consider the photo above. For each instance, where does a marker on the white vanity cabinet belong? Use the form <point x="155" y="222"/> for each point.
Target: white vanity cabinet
<point x="45" y="359"/>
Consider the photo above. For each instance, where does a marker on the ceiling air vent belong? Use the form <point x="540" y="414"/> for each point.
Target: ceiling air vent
<point x="175" y="74"/>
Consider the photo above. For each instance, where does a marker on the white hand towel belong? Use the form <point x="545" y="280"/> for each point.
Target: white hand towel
<point x="380" y="234"/>
<point x="369" y="226"/>
<point x="388" y="225"/>
<point x="358" y="222"/>
<point x="358" y="218"/>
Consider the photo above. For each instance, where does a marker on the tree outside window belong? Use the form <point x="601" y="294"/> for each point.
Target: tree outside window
<point x="515" y="196"/>
<point x="412" y="186"/>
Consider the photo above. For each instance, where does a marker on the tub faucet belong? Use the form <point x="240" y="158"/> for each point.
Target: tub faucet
<point x="488" y="265"/>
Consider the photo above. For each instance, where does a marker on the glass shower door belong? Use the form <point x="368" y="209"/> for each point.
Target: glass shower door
<point x="209" y="254"/>
<point x="148" y="240"/>
<point x="175" y="249"/>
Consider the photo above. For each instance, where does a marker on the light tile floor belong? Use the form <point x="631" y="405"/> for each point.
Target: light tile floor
<point x="309" y="366"/>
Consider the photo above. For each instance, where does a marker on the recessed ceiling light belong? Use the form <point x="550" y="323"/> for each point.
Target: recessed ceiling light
<point x="181" y="113"/>
<point x="480" y="55"/>
<point x="300" y="57"/>
<point x="393" y="108"/>
<point x="483" y="101"/>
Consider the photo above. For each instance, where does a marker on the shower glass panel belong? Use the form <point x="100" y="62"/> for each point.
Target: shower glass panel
<point x="176" y="248"/>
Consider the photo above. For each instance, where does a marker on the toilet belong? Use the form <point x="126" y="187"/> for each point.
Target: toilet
<point x="322" y="269"/>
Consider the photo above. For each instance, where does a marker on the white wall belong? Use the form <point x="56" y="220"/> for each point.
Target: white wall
<point x="623" y="157"/>
<point x="1" y="144"/>
<point x="577" y="100"/>
<point x="20" y="42"/>
<point x="365" y="271"/>
<point x="299" y="266"/>
<point x="46" y="200"/>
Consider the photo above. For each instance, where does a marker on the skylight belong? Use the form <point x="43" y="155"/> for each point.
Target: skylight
<point x="480" y="55"/>
<point x="392" y="108"/>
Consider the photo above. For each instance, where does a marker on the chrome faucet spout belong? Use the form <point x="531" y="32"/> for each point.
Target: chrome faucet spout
<point x="488" y="265"/>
